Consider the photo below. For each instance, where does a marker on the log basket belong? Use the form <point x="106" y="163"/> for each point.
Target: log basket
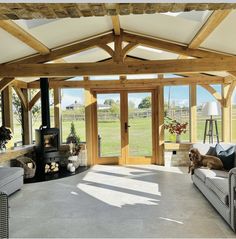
<point x="24" y="163"/>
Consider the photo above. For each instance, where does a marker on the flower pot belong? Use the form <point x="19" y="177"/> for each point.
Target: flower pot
<point x="177" y="138"/>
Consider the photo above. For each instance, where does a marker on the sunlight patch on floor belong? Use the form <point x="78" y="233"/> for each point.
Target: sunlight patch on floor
<point x="123" y="182"/>
<point x="115" y="198"/>
<point x="122" y="170"/>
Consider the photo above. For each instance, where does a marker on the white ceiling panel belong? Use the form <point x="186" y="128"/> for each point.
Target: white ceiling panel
<point x="91" y="55"/>
<point x="55" y="33"/>
<point x="180" y="27"/>
<point x="223" y="38"/>
<point x="12" y="48"/>
<point x="152" y="54"/>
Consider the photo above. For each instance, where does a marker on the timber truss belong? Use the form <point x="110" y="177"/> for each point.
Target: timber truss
<point x="191" y="71"/>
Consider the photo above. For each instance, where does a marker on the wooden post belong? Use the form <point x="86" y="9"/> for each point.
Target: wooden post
<point x="1" y="108"/>
<point x="193" y="113"/>
<point x="226" y="115"/>
<point x="7" y="111"/>
<point x="159" y="112"/>
<point x="57" y="110"/>
<point x="7" y="108"/>
<point x="91" y="134"/>
<point x="26" y="122"/>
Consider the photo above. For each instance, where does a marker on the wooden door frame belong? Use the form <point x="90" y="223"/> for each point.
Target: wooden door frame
<point x="125" y="158"/>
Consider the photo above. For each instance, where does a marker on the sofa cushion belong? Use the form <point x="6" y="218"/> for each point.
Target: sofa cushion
<point x="203" y="148"/>
<point x="9" y="174"/>
<point x="203" y="173"/>
<point x="220" y="187"/>
<point x="226" y="156"/>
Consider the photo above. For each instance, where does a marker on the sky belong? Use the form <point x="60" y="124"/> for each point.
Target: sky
<point x="179" y="95"/>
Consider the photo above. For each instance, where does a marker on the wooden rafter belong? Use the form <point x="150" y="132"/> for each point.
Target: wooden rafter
<point x="5" y="82"/>
<point x="103" y="68"/>
<point x="169" y="46"/>
<point x="34" y="100"/>
<point x="210" y="25"/>
<point x="68" y="49"/>
<point x="116" y="24"/>
<point x="72" y="48"/>
<point x="124" y="83"/>
<point x="22" y="35"/>
<point x="21" y="96"/>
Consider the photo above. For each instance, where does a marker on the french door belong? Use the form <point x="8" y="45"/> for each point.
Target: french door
<point x="124" y="127"/>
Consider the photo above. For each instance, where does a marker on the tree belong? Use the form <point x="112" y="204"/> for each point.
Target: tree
<point x="115" y="108"/>
<point x="109" y="102"/>
<point x="73" y="137"/>
<point x="17" y="108"/>
<point x="145" y="103"/>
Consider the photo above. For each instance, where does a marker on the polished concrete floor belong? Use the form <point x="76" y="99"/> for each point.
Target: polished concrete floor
<point x="116" y="201"/>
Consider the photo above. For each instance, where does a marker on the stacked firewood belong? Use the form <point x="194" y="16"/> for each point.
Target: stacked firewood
<point x="52" y="167"/>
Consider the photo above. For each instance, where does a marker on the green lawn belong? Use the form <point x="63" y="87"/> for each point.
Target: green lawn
<point x="140" y="140"/>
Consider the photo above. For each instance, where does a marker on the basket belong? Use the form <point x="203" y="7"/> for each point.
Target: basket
<point x="24" y="163"/>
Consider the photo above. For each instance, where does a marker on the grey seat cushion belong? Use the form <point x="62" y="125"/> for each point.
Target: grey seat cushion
<point x="203" y="173"/>
<point x="9" y="174"/>
<point x="220" y="187"/>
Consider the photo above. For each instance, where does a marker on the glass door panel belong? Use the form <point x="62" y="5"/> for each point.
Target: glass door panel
<point x="108" y="123"/>
<point x="140" y="124"/>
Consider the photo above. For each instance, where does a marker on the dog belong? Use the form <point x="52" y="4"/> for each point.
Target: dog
<point x="197" y="160"/>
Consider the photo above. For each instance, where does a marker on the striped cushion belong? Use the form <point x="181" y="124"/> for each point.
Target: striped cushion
<point x="220" y="187"/>
<point x="204" y="173"/>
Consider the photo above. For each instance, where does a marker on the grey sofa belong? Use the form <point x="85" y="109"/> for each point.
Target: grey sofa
<point x="11" y="179"/>
<point x="218" y="186"/>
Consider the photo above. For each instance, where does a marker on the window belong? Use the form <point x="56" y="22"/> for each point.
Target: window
<point x="233" y="113"/>
<point x="73" y="110"/>
<point x="203" y="96"/>
<point x="17" y="119"/>
<point x="35" y="113"/>
<point x="36" y="116"/>
<point x="176" y="107"/>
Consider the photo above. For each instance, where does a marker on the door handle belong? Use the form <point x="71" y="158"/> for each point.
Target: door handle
<point x="126" y="127"/>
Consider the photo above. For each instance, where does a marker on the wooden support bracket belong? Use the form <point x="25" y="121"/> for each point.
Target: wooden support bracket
<point x="34" y="100"/>
<point x="22" y="97"/>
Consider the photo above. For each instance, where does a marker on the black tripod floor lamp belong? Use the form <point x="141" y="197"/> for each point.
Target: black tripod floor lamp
<point x="211" y="109"/>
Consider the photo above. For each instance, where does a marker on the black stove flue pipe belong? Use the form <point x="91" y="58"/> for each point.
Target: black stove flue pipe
<point x="45" y="107"/>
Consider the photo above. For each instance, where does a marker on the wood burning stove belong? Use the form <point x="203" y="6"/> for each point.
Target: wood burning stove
<point x="47" y="139"/>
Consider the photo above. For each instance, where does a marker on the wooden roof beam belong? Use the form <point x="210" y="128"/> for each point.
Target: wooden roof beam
<point x="169" y="46"/>
<point x="210" y="25"/>
<point x="103" y="68"/>
<point x="68" y="49"/>
<point x="15" y="30"/>
<point x="139" y="83"/>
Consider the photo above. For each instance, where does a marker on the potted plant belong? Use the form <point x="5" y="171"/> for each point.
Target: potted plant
<point x="73" y="140"/>
<point x="175" y="128"/>
<point x="5" y="136"/>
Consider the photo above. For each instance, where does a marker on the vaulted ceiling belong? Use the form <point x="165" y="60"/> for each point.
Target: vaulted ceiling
<point x="210" y="30"/>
